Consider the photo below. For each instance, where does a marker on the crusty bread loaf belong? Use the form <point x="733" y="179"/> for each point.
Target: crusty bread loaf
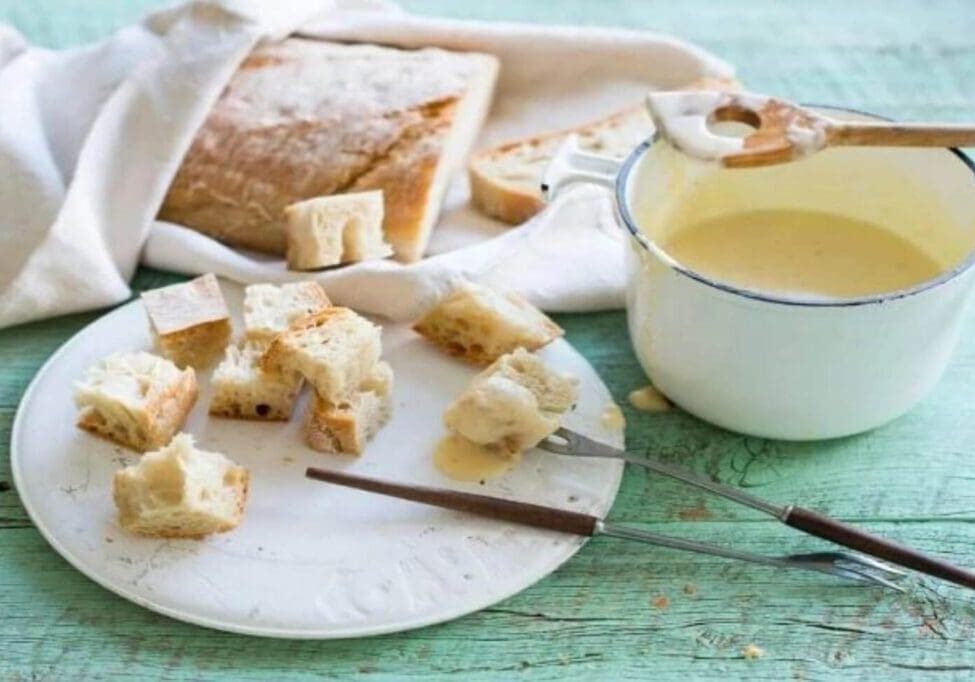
<point x="242" y="389"/>
<point x="479" y="324"/>
<point x="343" y="228"/>
<point x="307" y="118"/>
<point x="506" y="179"/>
<point x="270" y="309"/>
<point x="335" y="350"/>
<point x="138" y="400"/>
<point x="511" y="405"/>
<point x="346" y="428"/>
<point x="180" y="492"/>
<point x="190" y="320"/>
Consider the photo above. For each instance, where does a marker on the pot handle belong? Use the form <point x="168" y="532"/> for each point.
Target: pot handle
<point x="570" y="164"/>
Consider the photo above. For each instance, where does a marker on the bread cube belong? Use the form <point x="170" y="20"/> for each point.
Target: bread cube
<point x="342" y="228"/>
<point x="345" y="428"/>
<point x="512" y="405"/>
<point x="180" y="492"/>
<point x="555" y="392"/>
<point x="242" y="389"/>
<point x="335" y="350"/>
<point x="380" y="380"/>
<point x="480" y="325"/>
<point x="270" y="309"/>
<point x="190" y="319"/>
<point x="138" y="400"/>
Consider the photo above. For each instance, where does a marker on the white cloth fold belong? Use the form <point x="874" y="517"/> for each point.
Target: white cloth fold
<point x="91" y="137"/>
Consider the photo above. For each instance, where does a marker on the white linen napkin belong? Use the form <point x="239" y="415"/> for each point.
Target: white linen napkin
<point x="90" y="139"/>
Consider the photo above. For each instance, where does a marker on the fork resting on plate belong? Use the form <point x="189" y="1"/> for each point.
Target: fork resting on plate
<point x="565" y="442"/>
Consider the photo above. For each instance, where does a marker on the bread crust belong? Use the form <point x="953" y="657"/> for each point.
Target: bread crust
<point x="380" y="118"/>
<point x="190" y="320"/>
<point x="345" y="429"/>
<point x="513" y="202"/>
<point x="196" y="346"/>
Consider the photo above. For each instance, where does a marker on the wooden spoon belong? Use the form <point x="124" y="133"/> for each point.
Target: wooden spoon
<point x="783" y="131"/>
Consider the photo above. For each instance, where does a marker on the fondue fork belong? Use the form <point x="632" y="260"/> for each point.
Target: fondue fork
<point x="566" y="442"/>
<point x="840" y="564"/>
<point x="783" y="131"/>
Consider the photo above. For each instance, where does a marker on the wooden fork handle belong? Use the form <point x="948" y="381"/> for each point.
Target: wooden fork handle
<point x="836" y="531"/>
<point x="524" y="513"/>
<point x="901" y="134"/>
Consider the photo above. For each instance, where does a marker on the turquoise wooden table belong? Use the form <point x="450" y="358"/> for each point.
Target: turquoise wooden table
<point x="616" y="611"/>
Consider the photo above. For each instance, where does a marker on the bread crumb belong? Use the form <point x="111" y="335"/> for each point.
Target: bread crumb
<point x="660" y="602"/>
<point x="649" y="399"/>
<point x="752" y="652"/>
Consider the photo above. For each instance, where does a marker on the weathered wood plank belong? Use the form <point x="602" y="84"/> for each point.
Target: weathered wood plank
<point x="617" y="606"/>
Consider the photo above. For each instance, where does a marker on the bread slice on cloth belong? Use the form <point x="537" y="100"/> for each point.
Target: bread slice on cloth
<point x="506" y="179"/>
<point x="307" y="118"/>
<point x="181" y="492"/>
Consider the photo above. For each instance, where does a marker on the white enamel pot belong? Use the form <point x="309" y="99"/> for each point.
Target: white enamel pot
<point x="783" y="367"/>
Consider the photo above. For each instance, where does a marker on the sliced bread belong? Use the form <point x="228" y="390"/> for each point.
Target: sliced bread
<point x="270" y="309"/>
<point x="180" y="492"/>
<point x="335" y="350"/>
<point x="190" y="320"/>
<point x="306" y="118"/>
<point x="479" y="324"/>
<point x="506" y="179"/>
<point x="138" y="400"/>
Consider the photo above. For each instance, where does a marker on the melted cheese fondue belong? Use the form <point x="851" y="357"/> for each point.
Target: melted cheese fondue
<point x="801" y="253"/>
<point x="462" y="460"/>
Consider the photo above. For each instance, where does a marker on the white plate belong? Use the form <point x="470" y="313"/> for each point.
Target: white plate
<point x="310" y="560"/>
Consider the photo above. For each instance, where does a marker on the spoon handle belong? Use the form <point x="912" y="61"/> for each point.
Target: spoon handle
<point x="901" y="134"/>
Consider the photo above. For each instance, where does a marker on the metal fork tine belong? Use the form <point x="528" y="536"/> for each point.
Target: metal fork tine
<point x="577" y="445"/>
<point x="878" y="566"/>
<point x="855" y="560"/>
<point x="851" y="574"/>
<point x="821" y="562"/>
